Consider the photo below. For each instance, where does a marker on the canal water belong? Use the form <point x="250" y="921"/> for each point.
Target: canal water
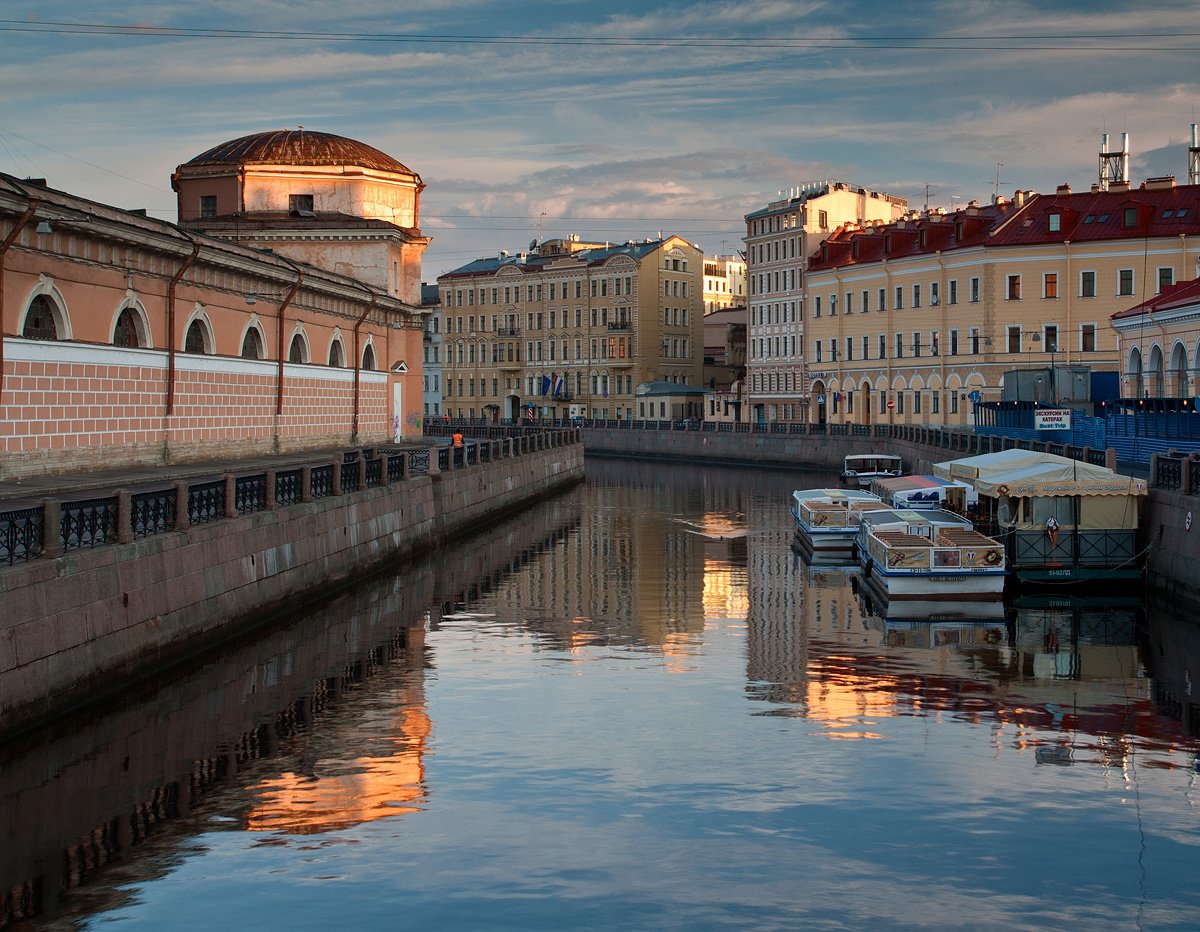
<point x="633" y="706"/>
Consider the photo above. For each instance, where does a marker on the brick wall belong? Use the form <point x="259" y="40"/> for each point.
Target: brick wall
<point x="69" y="406"/>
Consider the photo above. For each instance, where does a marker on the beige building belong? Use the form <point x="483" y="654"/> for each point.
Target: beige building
<point x="909" y="321"/>
<point x="1159" y="344"/>
<point x="326" y="200"/>
<point x="571" y="329"/>
<point x="779" y="239"/>
<point x="724" y="283"/>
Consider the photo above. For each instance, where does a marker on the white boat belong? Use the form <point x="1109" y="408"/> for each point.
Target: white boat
<point x="859" y="470"/>
<point x="929" y="555"/>
<point x="827" y="519"/>
<point x="926" y="492"/>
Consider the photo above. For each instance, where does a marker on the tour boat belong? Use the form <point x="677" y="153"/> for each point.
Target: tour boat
<point x="929" y="555"/>
<point x="859" y="470"/>
<point x="827" y="519"/>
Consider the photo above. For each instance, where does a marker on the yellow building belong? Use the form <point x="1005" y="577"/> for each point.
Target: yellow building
<point x="908" y="322"/>
<point x="571" y="329"/>
<point x="1159" y="344"/>
<point x="779" y="239"/>
<point x="724" y="283"/>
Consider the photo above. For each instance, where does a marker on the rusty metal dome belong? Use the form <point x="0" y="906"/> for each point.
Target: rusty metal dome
<point x="298" y="147"/>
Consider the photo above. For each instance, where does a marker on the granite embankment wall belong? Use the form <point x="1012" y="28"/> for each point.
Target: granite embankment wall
<point x="75" y="627"/>
<point x="1173" y="555"/>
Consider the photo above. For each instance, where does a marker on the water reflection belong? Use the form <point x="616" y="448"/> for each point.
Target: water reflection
<point x="633" y="706"/>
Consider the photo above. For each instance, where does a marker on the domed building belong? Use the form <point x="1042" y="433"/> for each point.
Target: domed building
<point x="322" y="199"/>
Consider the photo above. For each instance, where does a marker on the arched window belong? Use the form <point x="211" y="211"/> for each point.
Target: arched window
<point x="335" y="354"/>
<point x="195" y="341"/>
<point x="368" y="360"/>
<point x="125" y="333"/>
<point x="252" y="345"/>
<point x="39" y="320"/>
<point x="298" y="351"/>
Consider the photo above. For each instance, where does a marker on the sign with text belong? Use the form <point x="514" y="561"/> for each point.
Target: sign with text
<point x="1052" y="419"/>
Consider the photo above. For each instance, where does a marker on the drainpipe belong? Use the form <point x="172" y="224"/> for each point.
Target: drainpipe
<point x="22" y="222"/>
<point x="279" y="338"/>
<point x="187" y="264"/>
<point x="358" y="366"/>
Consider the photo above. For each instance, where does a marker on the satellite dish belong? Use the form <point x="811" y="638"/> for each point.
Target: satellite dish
<point x="533" y="244"/>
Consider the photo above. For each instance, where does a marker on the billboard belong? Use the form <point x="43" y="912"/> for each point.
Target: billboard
<point x="1052" y="419"/>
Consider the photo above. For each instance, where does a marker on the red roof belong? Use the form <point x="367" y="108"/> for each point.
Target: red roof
<point x="1182" y="294"/>
<point x="1090" y="216"/>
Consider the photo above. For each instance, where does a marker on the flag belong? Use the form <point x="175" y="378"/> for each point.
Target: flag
<point x="545" y="385"/>
<point x="558" y="385"/>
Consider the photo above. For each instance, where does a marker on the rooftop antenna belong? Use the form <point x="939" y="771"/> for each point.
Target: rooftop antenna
<point x="928" y="188"/>
<point x="1114" y="166"/>
<point x="996" y="184"/>
<point x="1194" y="157"/>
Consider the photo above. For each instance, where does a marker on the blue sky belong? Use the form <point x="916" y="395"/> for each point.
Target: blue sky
<point x="565" y="131"/>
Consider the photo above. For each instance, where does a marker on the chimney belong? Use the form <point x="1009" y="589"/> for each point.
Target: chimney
<point x="1161" y="183"/>
<point x="1063" y="189"/>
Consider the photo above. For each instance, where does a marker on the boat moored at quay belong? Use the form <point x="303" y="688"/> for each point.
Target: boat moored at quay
<point x="827" y="519"/>
<point x="929" y="555"/>
<point x="859" y="470"/>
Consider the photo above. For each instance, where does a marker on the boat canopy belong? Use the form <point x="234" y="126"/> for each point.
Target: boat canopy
<point x="917" y="489"/>
<point x="1029" y="474"/>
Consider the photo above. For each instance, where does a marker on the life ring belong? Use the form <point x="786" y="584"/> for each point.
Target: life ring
<point x="1002" y="489"/>
<point x="993" y="557"/>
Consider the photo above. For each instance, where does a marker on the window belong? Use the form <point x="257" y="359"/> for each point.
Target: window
<point x="1166" y="277"/>
<point x="823" y="219"/>
<point x="252" y="344"/>
<point x="900" y="402"/>
<point x="974" y="290"/>
<point x="125" y="333"/>
<point x="882" y="300"/>
<point x="916" y="343"/>
<point x="1054" y="223"/>
<point x="195" y="341"/>
<point x="866" y="347"/>
<point x="899" y="297"/>
<point x="1013" y="288"/>
<point x="833" y="305"/>
<point x="954" y="291"/>
<point x="917" y="402"/>
<point x="882" y="346"/>
<point x="849" y="348"/>
<point x="933" y="342"/>
<point x="916" y="295"/>
<point x="1050" y="285"/>
<point x="899" y="346"/>
<point x="208" y="206"/>
<point x="1050" y="338"/>
<point x="1014" y="339"/>
<point x="953" y="402"/>
<point x="934" y="294"/>
<point x="817" y="344"/>
<point x="817" y="306"/>
<point x="300" y="203"/>
<point x="1087" y="284"/>
<point x="1129" y="217"/>
<point x="39" y="320"/>
<point x="1125" y="281"/>
<point x="935" y="398"/>
<point x="1087" y="338"/>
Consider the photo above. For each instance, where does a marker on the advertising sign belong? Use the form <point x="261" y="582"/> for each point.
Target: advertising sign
<point x="1052" y="419"/>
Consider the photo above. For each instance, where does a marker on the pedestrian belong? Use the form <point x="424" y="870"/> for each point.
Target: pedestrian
<point x="456" y="439"/>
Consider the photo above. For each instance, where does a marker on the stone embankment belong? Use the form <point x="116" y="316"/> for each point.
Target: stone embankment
<point x="100" y="589"/>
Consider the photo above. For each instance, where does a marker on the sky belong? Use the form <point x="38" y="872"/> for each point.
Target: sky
<point x="613" y="120"/>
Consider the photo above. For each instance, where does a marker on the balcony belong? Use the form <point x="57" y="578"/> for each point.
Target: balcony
<point x="620" y="326"/>
<point x="507" y="365"/>
<point x="618" y="362"/>
<point x="508" y="331"/>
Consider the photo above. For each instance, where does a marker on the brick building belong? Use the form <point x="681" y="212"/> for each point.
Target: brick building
<point x="124" y="339"/>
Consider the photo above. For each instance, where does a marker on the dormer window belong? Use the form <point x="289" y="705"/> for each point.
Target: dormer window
<point x="1054" y="223"/>
<point x="208" y="206"/>
<point x="1129" y="217"/>
<point x="960" y="228"/>
<point x="300" y="203"/>
<point x="887" y="243"/>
